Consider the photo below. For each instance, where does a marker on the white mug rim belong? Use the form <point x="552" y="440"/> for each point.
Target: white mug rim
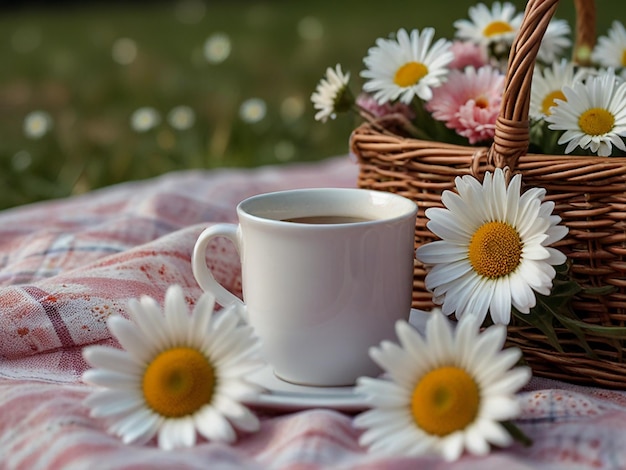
<point x="403" y="207"/>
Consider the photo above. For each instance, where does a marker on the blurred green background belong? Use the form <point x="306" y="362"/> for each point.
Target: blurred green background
<point x="226" y="83"/>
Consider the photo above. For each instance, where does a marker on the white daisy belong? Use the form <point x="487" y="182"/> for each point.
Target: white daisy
<point x="547" y="86"/>
<point x="610" y="50"/>
<point x="554" y="42"/>
<point x="178" y="373"/>
<point x="407" y="66"/>
<point x="181" y="117"/>
<point x="593" y="115"/>
<point x="37" y="124"/>
<point x="253" y="110"/>
<point x="494" y="251"/>
<point x="217" y="48"/>
<point x="332" y="94"/>
<point x="486" y="26"/>
<point x="447" y="391"/>
<point x="144" y="119"/>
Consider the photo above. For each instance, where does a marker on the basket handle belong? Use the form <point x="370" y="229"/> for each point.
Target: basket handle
<point x="512" y="135"/>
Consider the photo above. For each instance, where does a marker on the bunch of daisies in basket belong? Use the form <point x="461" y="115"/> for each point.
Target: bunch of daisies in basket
<point x="451" y="90"/>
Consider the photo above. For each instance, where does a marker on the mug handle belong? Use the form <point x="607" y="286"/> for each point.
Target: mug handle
<point x="201" y="271"/>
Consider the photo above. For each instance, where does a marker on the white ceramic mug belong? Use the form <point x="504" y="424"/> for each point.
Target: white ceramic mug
<point x="318" y="295"/>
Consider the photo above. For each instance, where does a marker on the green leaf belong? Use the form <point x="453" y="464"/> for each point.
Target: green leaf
<point x="598" y="291"/>
<point x="541" y="319"/>
<point x="517" y="434"/>
<point x="618" y="332"/>
<point x="573" y="326"/>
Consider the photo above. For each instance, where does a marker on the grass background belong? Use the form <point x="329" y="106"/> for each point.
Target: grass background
<point x="58" y="58"/>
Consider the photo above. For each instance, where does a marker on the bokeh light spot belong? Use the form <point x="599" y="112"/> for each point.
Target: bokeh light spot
<point x="21" y="160"/>
<point x="292" y="108"/>
<point x="145" y="119"/>
<point x="124" y="51"/>
<point x="252" y="110"/>
<point x="181" y="117"/>
<point x="217" y="48"/>
<point x="37" y="124"/>
<point x="310" y="28"/>
<point x="285" y="151"/>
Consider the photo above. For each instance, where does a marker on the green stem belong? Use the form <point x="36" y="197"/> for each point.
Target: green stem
<point x="517" y="434"/>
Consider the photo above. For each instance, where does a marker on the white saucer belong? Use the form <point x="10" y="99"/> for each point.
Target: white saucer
<point x="281" y="395"/>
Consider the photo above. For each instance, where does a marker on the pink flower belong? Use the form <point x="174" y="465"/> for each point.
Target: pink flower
<point x="469" y="102"/>
<point x="468" y="53"/>
<point x="368" y="103"/>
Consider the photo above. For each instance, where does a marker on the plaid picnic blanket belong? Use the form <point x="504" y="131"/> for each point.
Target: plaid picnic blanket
<point x="66" y="265"/>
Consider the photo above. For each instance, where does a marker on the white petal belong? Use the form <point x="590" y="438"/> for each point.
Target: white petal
<point x="476" y="443"/>
<point x="512" y="199"/>
<point x="494" y="432"/>
<point x="486" y="345"/>
<point x="452" y="446"/>
<point x="480" y="298"/>
<point x="113" y="359"/>
<point x="167" y="435"/>
<point x="110" y="402"/>
<point x="501" y="408"/>
<point x="466" y="216"/>
<point x="375" y="435"/>
<point x="446" y="273"/>
<point x="131" y="338"/>
<point x="500" y="308"/>
<point x="224" y="349"/>
<point x="176" y="315"/>
<point x="143" y="430"/>
<point x="239" y="370"/>
<point x="382" y="393"/>
<point x="149" y="320"/>
<point x="111" y="379"/>
<point x="448" y="228"/>
<point x="522" y="296"/>
<point x="239" y="389"/>
<point x="240" y="416"/>
<point x="441" y="343"/>
<point x="377" y="418"/>
<point x="131" y="424"/>
<point x="200" y="320"/>
<point x="222" y="326"/>
<point x="412" y="341"/>
<point x="510" y="382"/>
<point x="394" y="360"/>
<point x="535" y="251"/>
<point x="498" y="365"/>
<point x="556" y="258"/>
<point x="214" y="426"/>
<point x="465" y="336"/>
<point x="439" y="251"/>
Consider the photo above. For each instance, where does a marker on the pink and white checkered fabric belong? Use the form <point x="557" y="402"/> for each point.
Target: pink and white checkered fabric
<point x="66" y="265"/>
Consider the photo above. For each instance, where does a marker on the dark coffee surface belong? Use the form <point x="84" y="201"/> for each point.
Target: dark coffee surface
<point x="326" y="219"/>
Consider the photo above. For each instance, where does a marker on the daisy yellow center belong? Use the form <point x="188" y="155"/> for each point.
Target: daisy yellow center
<point x="495" y="250"/>
<point x="549" y="101"/>
<point x="445" y="400"/>
<point x="410" y="73"/>
<point x="596" y="121"/>
<point x="178" y="382"/>
<point x="624" y="58"/>
<point x="497" y="27"/>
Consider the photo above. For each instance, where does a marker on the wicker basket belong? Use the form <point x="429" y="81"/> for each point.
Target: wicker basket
<point x="589" y="193"/>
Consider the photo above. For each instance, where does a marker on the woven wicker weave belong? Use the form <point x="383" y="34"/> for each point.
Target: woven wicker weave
<point x="589" y="193"/>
